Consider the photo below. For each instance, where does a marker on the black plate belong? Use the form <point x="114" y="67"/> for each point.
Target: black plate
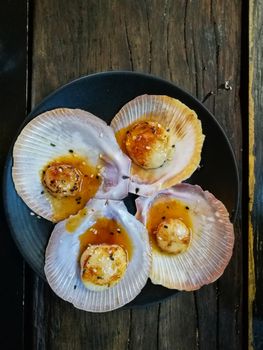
<point x="104" y="94"/>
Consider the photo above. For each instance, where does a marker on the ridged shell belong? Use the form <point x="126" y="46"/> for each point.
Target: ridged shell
<point x="65" y="128"/>
<point x="62" y="267"/>
<point x="211" y="246"/>
<point x="185" y="133"/>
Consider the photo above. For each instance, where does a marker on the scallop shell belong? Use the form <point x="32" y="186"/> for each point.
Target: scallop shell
<point x="62" y="267"/>
<point x="211" y="245"/>
<point x="185" y="133"/>
<point x="51" y="135"/>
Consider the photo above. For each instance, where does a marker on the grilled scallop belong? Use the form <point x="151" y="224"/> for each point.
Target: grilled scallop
<point x="100" y="258"/>
<point x="162" y="137"/>
<point x="64" y="157"/>
<point x="103" y="265"/>
<point x="190" y="235"/>
<point x="147" y="144"/>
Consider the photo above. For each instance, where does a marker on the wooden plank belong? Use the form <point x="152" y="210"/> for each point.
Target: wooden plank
<point x="191" y="44"/>
<point x="206" y="65"/>
<point x="58" y="325"/>
<point x="255" y="176"/>
<point x="13" y="103"/>
<point x="227" y="110"/>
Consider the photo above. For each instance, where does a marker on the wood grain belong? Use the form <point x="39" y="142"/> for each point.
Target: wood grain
<point x="197" y="46"/>
<point x="255" y="176"/>
<point x="13" y="104"/>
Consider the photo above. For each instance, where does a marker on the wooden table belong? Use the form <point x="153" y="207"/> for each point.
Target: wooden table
<point x="198" y="45"/>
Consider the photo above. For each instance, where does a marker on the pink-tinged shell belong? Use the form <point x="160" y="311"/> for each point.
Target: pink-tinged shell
<point x="62" y="266"/>
<point x="211" y="245"/>
<point x="185" y="132"/>
<point x="88" y="135"/>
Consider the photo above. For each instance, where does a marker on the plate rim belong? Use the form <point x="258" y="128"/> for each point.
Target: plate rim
<point x="141" y="75"/>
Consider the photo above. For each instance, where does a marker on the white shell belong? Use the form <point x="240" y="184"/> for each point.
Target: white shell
<point x="211" y="245"/>
<point x="86" y="134"/>
<point x="62" y="267"/>
<point x="185" y="133"/>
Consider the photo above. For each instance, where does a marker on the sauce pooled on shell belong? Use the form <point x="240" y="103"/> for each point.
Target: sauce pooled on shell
<point x="105" y="249"/>
<point x="169" y="226"/>
<point x="69" y="182"/>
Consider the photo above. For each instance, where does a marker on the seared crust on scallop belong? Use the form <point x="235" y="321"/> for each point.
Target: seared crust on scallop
<point x="147" y="144"/>
<point x="173" y="236"/>
<point x="103" y="265"/>
<point x="62" y="180"/>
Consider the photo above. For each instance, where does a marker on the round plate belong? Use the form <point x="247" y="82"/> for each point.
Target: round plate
<point x="103" y="94"/>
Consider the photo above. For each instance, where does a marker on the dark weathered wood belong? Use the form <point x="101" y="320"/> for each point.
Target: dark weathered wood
<point x="13" y="63"/>
<point x="197" y="46"/>
<point x="255" y="176"/>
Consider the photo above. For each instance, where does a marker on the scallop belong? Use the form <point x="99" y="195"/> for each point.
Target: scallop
<point x="162" y="137"/>
<point x="190" y="234"/>
<point x="100" y="258"/>
<point x="64" y="157"/>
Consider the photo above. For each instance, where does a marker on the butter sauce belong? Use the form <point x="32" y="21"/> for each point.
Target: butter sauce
<point x="73" y="222"/>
